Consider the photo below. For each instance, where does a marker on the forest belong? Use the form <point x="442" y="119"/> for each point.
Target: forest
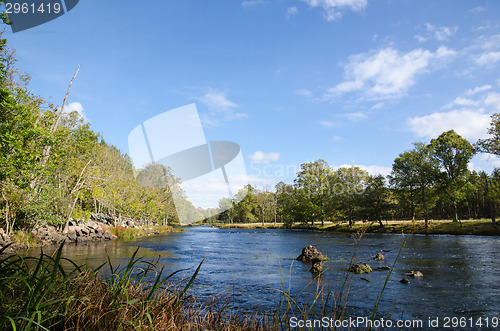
<point x="54" y="167"/>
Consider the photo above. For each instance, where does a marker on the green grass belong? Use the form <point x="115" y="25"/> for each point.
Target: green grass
<point x="467" y="227"/>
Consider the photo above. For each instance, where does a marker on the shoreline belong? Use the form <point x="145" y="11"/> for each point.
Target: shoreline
<point x="444" y="227"/>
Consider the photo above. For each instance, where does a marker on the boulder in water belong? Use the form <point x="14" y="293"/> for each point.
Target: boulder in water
<point x="310" y="253"/>
<point x="361" y="268"/>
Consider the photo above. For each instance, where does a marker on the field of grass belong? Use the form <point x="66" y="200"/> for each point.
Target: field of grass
<point x="467" y="227"/>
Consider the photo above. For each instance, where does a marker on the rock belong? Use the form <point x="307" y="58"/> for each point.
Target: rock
<point x="81" y="239"/>
<point x="72" y="235"/>
<point x="415" y="274"/>
<point x="85" y="231"/>
<point x="317" y="266"/>
<point x="360" y="268"/>
<point x="56" y="238"/>
<point x="109" y="236"/>
<point x="91" y="225"/>
<point x="366" y="280"/>
<point x="379" y="257"/>
<point x="310" y="253"/>
<point x="386" y="250"/>
<point x="405" y="281"/>
<point x="384" y="267"/>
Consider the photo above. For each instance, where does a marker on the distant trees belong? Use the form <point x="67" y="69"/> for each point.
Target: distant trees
<point x="428" y="181"/>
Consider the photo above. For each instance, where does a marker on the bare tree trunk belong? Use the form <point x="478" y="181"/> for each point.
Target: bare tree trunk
<point x="78" y="186"/>
<point x="53" y="128"/>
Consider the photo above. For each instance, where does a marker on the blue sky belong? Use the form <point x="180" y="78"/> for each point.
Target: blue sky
<point x="354" y="82"/>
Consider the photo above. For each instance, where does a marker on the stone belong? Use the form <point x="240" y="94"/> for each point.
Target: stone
<point x="107" y="235"/>
<point x="415" y="274"/>
<point x="81" y="239"/>
<point x="317" y="266"/>
<point x="405" y="281"/>
<point x="72" y="235"/>
<point x="361" y="268"/>
<point x="56" y="238"/>
<point x="366" y="280"/>
<point x="310" y="253"/>
<point x="384" y="267"/>
<point x="379" y="257"/>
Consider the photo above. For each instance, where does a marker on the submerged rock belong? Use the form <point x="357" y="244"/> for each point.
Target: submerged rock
<point x="405" y="281"/>
<point x="379" y="257"/>
<point x="384" y="267"/>
<point x="310" y="253"/>
<point x="361" y="268"/>
<point x="415" y="274"/>
<point x="317" y="266"/>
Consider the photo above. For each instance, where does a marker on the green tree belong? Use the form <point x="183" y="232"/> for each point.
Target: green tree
<point x="312" y="179"/>
<point x="377" y="199"/>
<point x="346" y="186"/>
<point x="453" y="154"/>
<point x="415" y="170"/>
<point x="491" y="145"/>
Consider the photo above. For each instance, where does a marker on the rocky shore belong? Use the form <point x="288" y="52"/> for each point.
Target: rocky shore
<point x="78" y="232"/>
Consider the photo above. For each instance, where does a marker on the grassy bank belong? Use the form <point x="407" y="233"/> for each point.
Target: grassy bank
<point x="469" y="227"/>
<point x="53" y="293"/>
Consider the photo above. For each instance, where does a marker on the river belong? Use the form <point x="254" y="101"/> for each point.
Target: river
<point x="461" y="273"/>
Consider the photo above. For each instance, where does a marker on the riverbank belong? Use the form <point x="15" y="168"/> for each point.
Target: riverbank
<point x="100" y="227"/>
<point x="468" y="227"/>
<point x="41" y="293"/>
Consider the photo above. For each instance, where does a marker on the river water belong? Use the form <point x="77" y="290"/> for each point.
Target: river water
<point x="461" y="273"/>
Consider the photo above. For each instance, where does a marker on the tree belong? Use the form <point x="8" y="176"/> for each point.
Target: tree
<point x="376" y="199"/>
<point x="415" y="170"/>
<point x="346" y="186"/>
<point x="492" y="144"/>
<point x="312" y="179"/>
<point x="453" y="154"/>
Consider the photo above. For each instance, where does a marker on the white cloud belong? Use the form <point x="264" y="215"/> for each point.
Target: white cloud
<point x="493" y="100"/>
<point x="488" y="58"/>
<point x="469" y="118"/>
<point x="334" y="9"/>
<point x="477" y="9"/>
<point x="470" y="124"/>
<point x="355" y="116"/>
<point x="291" y="11"/>
<point x="441" y="33"/>
<point x="252" y="3"/>
<point x="260" y="157"/>
<point x="327" y="124"/>
<point x="304" y="93"/>
<point x="461" y="101"/>
<point x="217" y="100"/>
<point x="337" y="138"/>
<point x="76" y="106"/>
<point x="478" y="89"/>
<point x="388" y="72"/>
<point x="221" y="108"/>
